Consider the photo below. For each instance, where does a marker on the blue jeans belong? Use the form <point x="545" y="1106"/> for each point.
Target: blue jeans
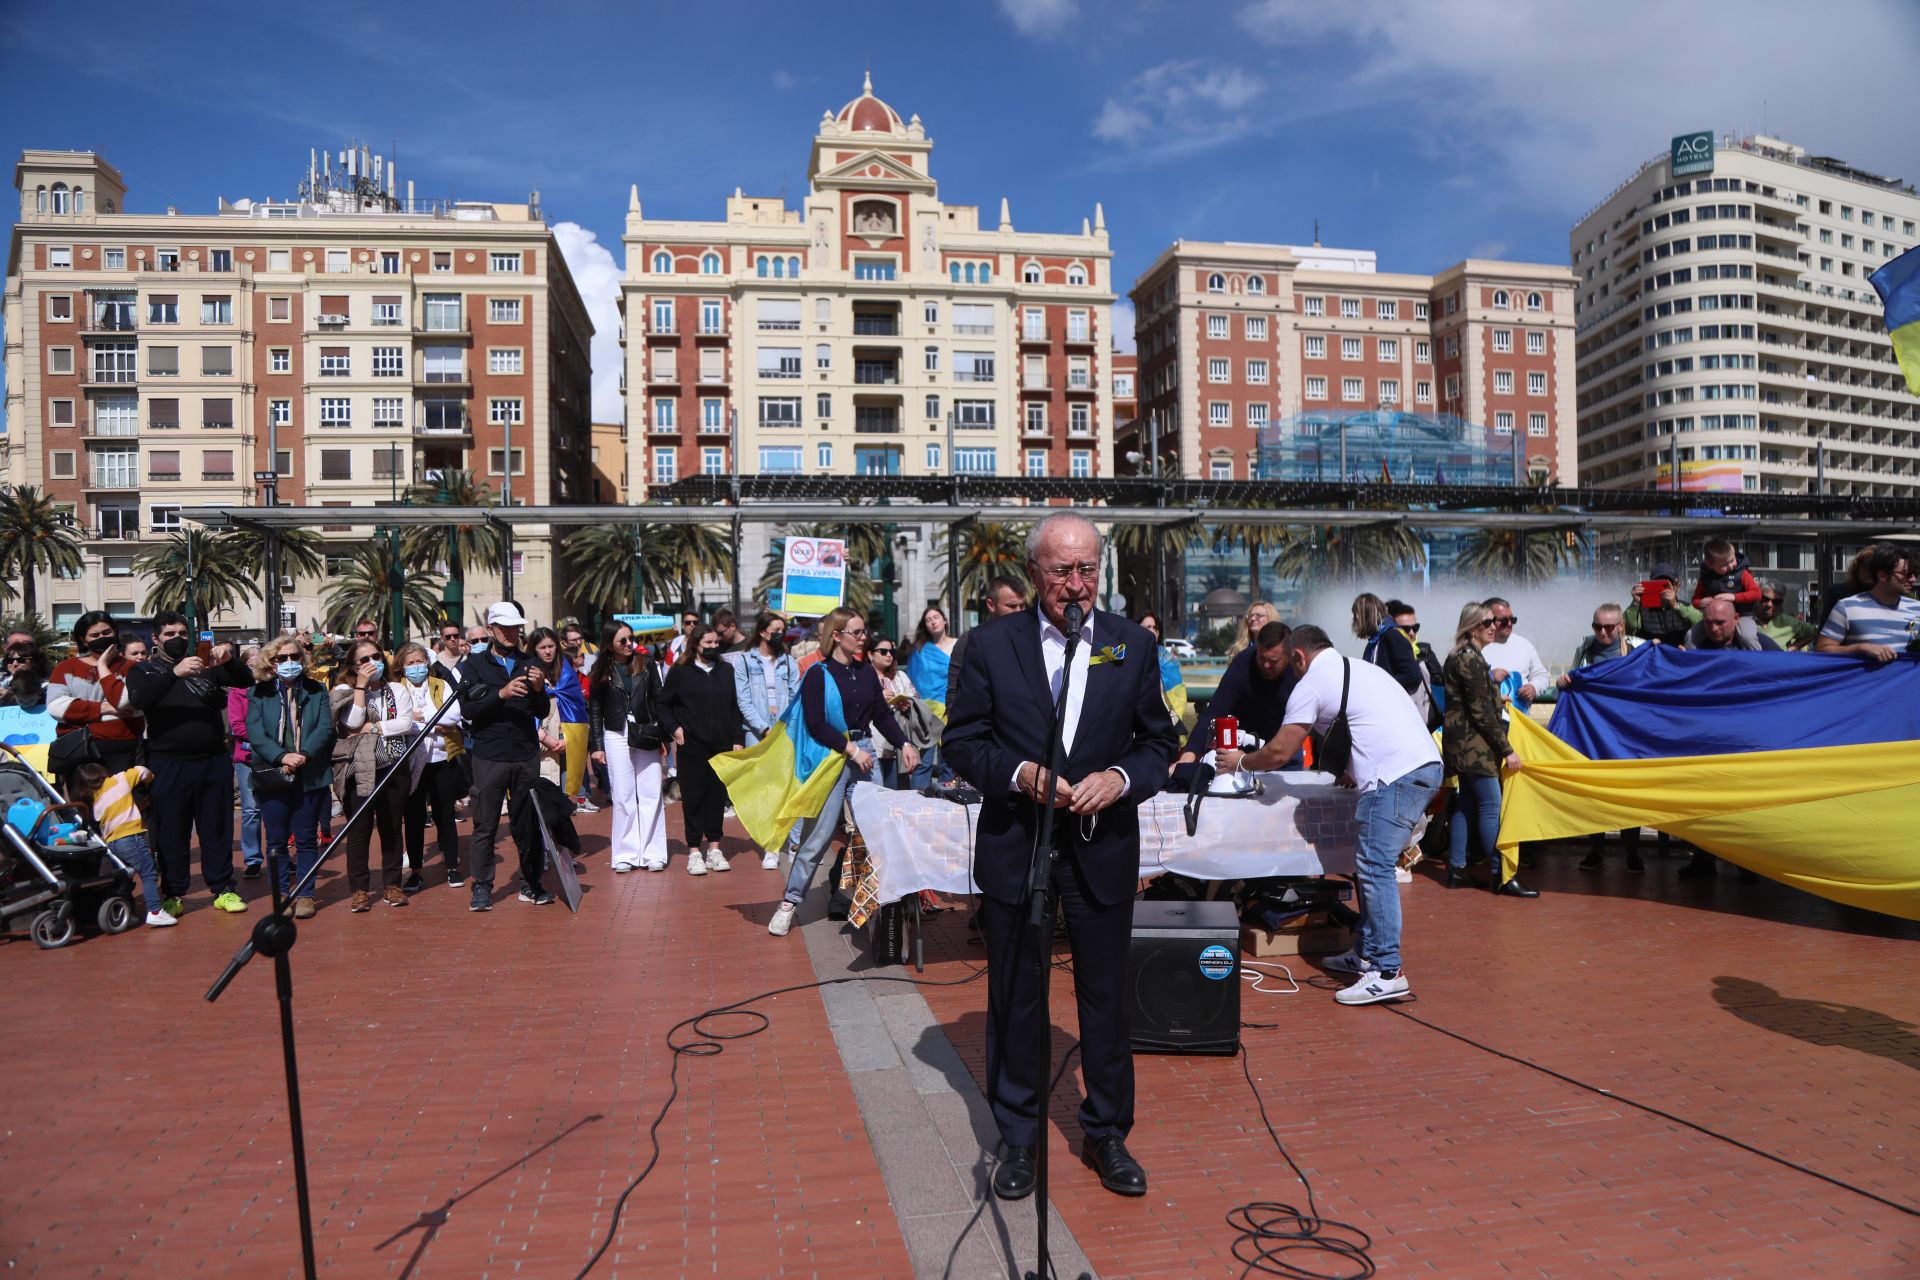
<point x="249" y="814"/>
<point x="818" y="832"/>
<point x="1476" y="811"/>
<point x="1387" y="815"/>
<point x="294" y="813"/>
<point x="133" y="851"/>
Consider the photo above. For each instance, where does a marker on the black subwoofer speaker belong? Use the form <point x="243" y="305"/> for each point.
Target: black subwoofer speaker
<point x="1183" y="977"/>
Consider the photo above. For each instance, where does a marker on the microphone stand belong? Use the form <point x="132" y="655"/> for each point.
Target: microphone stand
<point x="1040" y="913"/>
<point x="274" y="936"/>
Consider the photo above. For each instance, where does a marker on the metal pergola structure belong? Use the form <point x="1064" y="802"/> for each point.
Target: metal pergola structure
<point x="956" y="501"/>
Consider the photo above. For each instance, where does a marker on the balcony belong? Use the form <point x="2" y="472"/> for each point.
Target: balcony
<point x="1041" y="384"/>
<point x="712" y="333"/>
<point x="973" y="375"/>
<point x="444" y="428"/>
<point x="663" y="377"/>
<point x="110" y="326"/>
<point x="874" y="327"/>
<point x="1036" y="336"/>
<point x="714" y="377"/>
<point x="110" y="431"/>
<point x="1079" y="337"/>
<point x="876" y="375"/>
<point x="1080" y="386"/>
<point x="1040" y="430"/>
<point x="112" y="483"/>
<point x="779" y="326"/>
<point x="973" y="330"/>
<point x="441" y="330"/>
<point x="442" y="378"/>
<point x="112" y="378"/>
<point x="876" y="422"/>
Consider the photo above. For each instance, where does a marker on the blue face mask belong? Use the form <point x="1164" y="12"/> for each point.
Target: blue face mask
<point x="287" y="670"/>
<point x="417" y="672"/>
<point x="376" y="669"/>
<point x="480" y="646"/>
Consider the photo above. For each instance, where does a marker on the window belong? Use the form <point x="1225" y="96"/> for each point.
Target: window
<point x="713" y="460"/>
<point x="662" y="316"/>
<point x="931" y="360"/>
<point x="280" y="413"/>
<point x="280" y="309"/>
<point x="1350" y="348"/>
<point x="113" y="259"/>
<point x="503" y="310"/>
<point x="1349" y="308"/>
<point x="1076" y="275"/>
<point x="162" y="362"/>
<point x="390" y="262"/>
<point x="166" y="259"/>
<point x="337" y="263"/>
<point x="386" y="313"/>
<point x="216" y="362"/>
<point x="779" y="411"/>
<point x="1453" y="386"/>
<point x="279" y="259"/>
<point x="1353" y="389"/>
<point x="1503" y="382"/>
<point x="1256" y="284"/>
<point x="1316" y="347"/>
<point x="973" y="415"/>
<point x="1536" y="343"/>
<point x="60" y="412"/>
<point x="1503" y="340"/>
<point x="975" y="462"/>
<point x="1216" y="326"/>
<point x="710" y="316"/>
<point x="933" y="457"/>
<point x="441" y="311"/>
<point x="1217" y="370"/>
<point x="1123" y="386"/>
<point x="216" y="464"/>
<point x="336" y="362"/>
<point x="822" y="405"/>
<point x="280" y="360"/>
<point x="216" y="310"/>
<point x="504" y="262"/>
<point x="1316" y="388"/>
<point x="933" y="408"/>
<point x="1033" y="325"/>
<point x="1453" y="346"/>
<point x="1389" y="349"/>
<point x="713" y="415"/>
<point x="779" y="362"/>
<point x="59" y="359"/>
<point x="874" y="269"/>
<point x="1079" y="419"/>
<point x="163" y="308"/>
<point x="60" y="257"/>
<point x="1535" y="302"/>
<point x="823" y="310"/>
<point x="1036" y="463"/>
<point x="1389" y="391"/>
<point x="1216" y="283"/>
<point x="779" y="314"/>
<point x="1257" y="372"/>
<point x="1077" y="330"/>
<point x="1257" y="415"/>
<point x="1219" y="413"/>
<point x="1036" y="418"/>
<point x="779" y="459"/>
<point x="115" y="361"/>
<point x="1536" y="424"/>
<point x="1423" y="352"/>
<point x="1423" y="393"/>
<point x="336" y="411"/>
<point x="1536" y="384"/>
<point x="1501" y="301"/>
<point x="709" y="264"/>
<point x="504" y="360"/>
<point x="1313" y="306"/>
<point x="442" y="261"/>
<point x="1256" y="328"/>
<point x="663" y="414"/>
<point x="387" y="463"/>
<point x="336" y="464"/>
<point x="1030" y="274"/>
<point x="973" y="366"/>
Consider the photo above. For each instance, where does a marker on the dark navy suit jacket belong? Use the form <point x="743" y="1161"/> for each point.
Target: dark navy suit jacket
<point x="999" y="711"/>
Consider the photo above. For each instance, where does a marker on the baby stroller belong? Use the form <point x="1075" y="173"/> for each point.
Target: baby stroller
<point x="52" y="865"/>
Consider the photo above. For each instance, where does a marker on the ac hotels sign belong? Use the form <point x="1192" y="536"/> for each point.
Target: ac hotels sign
<point x="1693" y="153"/>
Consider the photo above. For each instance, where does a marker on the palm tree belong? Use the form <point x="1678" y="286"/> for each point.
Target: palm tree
<point x="600" y="561"/>
<point x="204" y="570"/>
<point x="35" y="536"/>
<point x="455" y="545"/>
<point x="694" y="551"/>
<point x="1259" y="540"/>
<point x="1346" y="553"/>
<point x="361" y="591"/>
<point x="987" y="550"/>
<point x="302" y="551"/>
<point x="1524" y="558"/>
<point x="866" y="543"/>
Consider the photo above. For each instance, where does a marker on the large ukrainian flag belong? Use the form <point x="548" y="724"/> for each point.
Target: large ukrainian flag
<point x="1899" y="286"/>
<point x="784" y="777"/>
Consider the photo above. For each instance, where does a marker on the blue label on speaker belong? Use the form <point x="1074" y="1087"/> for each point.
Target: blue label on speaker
<point x="1217" y="962"/>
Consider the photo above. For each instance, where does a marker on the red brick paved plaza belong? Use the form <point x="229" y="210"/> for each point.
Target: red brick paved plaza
<point x="510" y="1063"/>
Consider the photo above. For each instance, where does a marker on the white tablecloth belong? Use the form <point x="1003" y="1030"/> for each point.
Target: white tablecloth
<point x="1302" y="826"/>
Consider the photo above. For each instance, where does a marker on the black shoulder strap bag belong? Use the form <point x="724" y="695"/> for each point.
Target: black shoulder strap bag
<point x="1336" y="745"/>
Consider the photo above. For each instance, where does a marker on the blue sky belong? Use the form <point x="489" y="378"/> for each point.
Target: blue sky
<point x="1425" y="131"/>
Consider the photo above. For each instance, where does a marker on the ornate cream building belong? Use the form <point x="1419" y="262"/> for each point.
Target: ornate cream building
<point x="349" y="341"/>
<point x="873" y="329"/>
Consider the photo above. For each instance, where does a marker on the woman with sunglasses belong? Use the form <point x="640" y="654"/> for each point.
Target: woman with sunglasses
<point x="1474" y="748"/>
<point x="896" y="686"/>
<point x="375" y="717"/>
<point x="290" y="728"/>
<point x="624" y="734"/>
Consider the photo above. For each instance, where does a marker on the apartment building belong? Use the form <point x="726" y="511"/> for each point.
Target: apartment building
<point x="348" y="342"/>
<point x="1234" y="337"/>
<point x="873" y="329"/>
<point x="1724" y="316"/>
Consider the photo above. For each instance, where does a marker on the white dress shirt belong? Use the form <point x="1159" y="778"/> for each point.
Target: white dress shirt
<point x="1053" y="651"/>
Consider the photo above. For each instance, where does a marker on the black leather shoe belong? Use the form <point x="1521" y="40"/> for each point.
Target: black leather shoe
<point x="1119" y="1172"/>
<point x="1457" y="878"/>
<point x="1013" y="1180"/>
<point x="1514" y="889"/>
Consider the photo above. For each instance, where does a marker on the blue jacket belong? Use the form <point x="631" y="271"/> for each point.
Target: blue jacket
<point x="750" y="688"/>
<point x="313" y="738"/>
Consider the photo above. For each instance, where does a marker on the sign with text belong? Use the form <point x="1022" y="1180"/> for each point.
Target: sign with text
<point x="1693" y="153"/>
<point x="642" y="624"/>
<point x="1702" y="477"/>
<point x="813" y="578"/>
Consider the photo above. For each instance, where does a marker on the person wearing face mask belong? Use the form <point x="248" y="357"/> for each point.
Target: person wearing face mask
<point x="184" y="698"/>
<point x="375" y="716"/>
<point x="243" y="771"/>
<point x="435" y="769"/>
<point x="289" y="727"/>
<point x="700" y="708"/>
<point x="87" y="693"/>
<point x="24" y="718"/>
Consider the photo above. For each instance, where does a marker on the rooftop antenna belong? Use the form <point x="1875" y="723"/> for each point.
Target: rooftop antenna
<point x="1316" y="233"/>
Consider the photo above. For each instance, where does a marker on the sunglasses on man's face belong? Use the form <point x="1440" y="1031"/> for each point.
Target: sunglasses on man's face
<point x="1409" y="626"/>
<point x="363" y="635"/>
<point x="1505" y="622"/>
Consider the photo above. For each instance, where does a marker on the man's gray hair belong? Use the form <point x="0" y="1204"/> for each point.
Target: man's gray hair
<point x="1038" y="534"/>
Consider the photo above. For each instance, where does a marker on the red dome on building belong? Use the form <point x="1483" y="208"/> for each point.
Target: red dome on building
<point x="867" y="112"/>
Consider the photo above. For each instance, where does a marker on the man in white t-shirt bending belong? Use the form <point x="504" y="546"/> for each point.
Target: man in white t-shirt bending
<point x="1397" y="769"/>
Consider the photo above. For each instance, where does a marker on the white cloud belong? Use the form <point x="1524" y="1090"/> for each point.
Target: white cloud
<point x="1040" y="17"/>
<point x="1181" y="106"/>
<point x="597" y="277"/>
<point x="1120" y="325"/>
<point x="1557" y="102"/>
<point x="783" y="80"/>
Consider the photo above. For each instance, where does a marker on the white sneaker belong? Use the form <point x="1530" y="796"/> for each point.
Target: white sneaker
<point x="1372" y="989"/>
<point x="655" y="866"/>
<point x="782" y="920"/>
<point x="584" y="805"/>
<point x="696" y="864"/>
<point x="770" y="862"/>
<point x="160" y="920"/>
<point x="624" y="866"/>
<point x="727" y="811"/>
<point x="717" y="861"/>
<point x="1345" y="962"/>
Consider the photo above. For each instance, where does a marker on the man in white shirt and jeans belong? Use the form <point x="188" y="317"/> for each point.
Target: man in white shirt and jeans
<point x="1396" y="766"/>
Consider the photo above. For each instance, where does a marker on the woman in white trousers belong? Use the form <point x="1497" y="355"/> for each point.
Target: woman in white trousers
<point x="620" y="708"/>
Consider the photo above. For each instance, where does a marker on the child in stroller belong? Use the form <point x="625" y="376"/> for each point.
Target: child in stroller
<point x="118" y="803"/>
<point x="52" y="866"/>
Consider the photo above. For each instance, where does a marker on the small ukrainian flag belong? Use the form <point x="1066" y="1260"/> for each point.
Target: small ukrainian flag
<point x="1899" y="286"/>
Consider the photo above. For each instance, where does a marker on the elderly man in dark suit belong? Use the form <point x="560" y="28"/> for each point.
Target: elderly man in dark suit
<point x="1117" y="741"/>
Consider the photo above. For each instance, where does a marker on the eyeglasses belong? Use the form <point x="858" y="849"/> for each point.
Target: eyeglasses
<point x="1067" y="572"/>
<point x="21" y="660"/>
<point x="1410" y="626"/>
<point x="1769" y="599"/>
<point x="1504" y="622"/>
<point x="363" y="635"/>
<point x="1606" y="626"/>
<point x="882" y="653"/>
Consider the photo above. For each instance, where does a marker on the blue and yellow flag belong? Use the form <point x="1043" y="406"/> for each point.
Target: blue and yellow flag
<point x="1899" y="285"/>
<point x="784" y="777"/>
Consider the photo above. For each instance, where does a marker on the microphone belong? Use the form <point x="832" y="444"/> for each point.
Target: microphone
<point x="1076" y="619"/>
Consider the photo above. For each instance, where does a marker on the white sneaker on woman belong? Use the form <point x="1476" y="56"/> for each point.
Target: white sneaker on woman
<point x="770" y="861"/>
<point x="696" y="863"/>
<point x="717" y="861"/>
<point x="782" y="920"/>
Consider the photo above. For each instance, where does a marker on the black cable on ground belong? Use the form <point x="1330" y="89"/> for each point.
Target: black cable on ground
<point x="1272" y="1234"/>
<point x="708" y="1041"/>
<point x="1910" y="1210"/>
